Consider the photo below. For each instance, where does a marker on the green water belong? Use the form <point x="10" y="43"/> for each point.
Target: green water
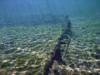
<point x="29" y="31"/>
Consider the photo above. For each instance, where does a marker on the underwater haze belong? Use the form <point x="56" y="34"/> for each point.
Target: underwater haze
<point x="31" y="11"/>
<point x="49" y="37"/>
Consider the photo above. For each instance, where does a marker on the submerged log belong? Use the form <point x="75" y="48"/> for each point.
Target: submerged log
<point x="57" y="54"/>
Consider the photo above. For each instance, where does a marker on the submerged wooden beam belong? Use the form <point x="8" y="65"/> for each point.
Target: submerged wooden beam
<point x="57" y="55"/>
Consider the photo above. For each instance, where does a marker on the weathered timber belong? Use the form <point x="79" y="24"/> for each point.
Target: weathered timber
<point x="57" y="54"/>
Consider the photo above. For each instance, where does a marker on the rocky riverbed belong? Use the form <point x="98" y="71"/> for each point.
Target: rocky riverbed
<point x="83" y="53"/>
<point x="24" y="50"/>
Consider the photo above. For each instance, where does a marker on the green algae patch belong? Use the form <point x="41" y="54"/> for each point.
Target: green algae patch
<point x="27" y="48"/>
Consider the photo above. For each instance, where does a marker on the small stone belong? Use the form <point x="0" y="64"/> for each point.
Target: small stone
<point x="34" y="52"/>
<point x="4" y="61"/>
<point x="18" y="48"/>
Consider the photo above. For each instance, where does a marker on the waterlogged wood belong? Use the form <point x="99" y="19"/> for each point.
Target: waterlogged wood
<point x="79" y="56"/>
<point x="57" y="54"/>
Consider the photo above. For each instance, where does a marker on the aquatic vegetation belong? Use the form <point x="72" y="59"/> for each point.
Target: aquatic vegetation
<point x="3" y="71"/>
<point x="83" y="54"/>
<point x="27" y="48"/>
<point x="58" y="37"/>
